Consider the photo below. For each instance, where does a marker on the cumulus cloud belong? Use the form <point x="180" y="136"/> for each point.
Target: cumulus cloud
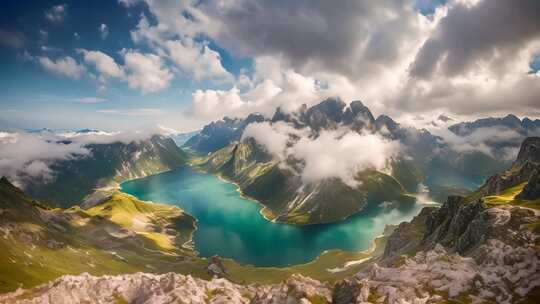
<point x="104" y="31"/>
<point x="103" y="63"/>
<point x="195" y="59"/>
<point x="465" y="57"/>
<point x="288" y="90"/>
<point x="56" y="13"/>
<point x="146" y="72"/>
<point x="28" y="156"/>
<point x="487" y="33"/>
<point x="338" y="153"/>
<point x="66" y="66"/>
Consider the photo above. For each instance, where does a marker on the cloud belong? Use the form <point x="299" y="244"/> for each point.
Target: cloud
<point x="104" y="31"/>
<point x="103" y="63"/>
<point x="24" y="155"/>
<point x="146" y="72"/>
<point x="274" y="137"/>
<point x="56" y="13"/>
<point x="466" y="38"/>
<point x="498" y="141"/>
<point x="193" y="58"/>
<point x="377" y="50"/>
<point x="28" y="157"/>
<point x="342" y="155"/>
<point x="128" y="3"/>
<point x="133" y="112"/>
<point x="288" y="90"/>
<point x="197" y="59"/>
<point x="90" y="100"/>
<point x="66" y="66"/>
<point x="13" y="39"/>
<point x="338" y="153"/>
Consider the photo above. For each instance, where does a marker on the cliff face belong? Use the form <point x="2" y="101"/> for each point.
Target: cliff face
<point x="526" y="165"/>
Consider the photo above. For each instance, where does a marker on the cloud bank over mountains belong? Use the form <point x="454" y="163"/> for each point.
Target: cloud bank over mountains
<point x="340" y="153"/>
<point x="29" y="155"/>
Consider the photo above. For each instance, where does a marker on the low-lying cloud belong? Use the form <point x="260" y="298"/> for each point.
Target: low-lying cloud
<point x="26" y="156"/>
<point x="338" y="153"/>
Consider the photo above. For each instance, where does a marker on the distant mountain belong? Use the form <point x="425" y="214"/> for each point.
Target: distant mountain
<point x="219" y="134"/>
<point x="181" y="138"/>
<point x="107" y="165"/>
<point x="525" y="127"/>
<point x="425" y="159"/>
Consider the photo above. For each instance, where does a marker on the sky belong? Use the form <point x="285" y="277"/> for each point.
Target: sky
<point x="133" y="64"/>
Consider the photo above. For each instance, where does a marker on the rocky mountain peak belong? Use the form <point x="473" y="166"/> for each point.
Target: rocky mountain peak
<point x="358" y="115"/>
<point x="444" y="118"/>
<point x="385" y="121"/>
<point x="529" y="151"/>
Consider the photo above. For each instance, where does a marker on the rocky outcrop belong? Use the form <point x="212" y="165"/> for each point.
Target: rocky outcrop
<point x="531" y="191"/>
<point x="530" y="151"/>
<point x="169" y="288"/>
<point x="526" y="165"/>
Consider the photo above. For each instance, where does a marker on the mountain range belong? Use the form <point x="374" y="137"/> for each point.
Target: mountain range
<point x="424" y="159"/>
<point x="106" y="165"/>
<point x="476" y="248"/>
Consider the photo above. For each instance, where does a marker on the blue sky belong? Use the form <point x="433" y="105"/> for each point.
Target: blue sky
<point x="33" y="97"/>
<point x="129" y="64"/>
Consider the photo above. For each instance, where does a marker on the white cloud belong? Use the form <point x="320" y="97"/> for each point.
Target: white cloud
<point x="103" y="63"/>
<point x="133" y="112"/>
<point x="104" y="31"/>
<point x="274" y="137"/>
<point x="90" y="100"/>
<point x="66" y="66"/>
<point x="288" y="90"/>
<point x="146" y="72"/>
<point x="56" y="13"/>
<point x="195" y="59"/>
<point x="374" y="50"/>
<point x="338" y="153"/>
<point x="128" y="3"/>
<point x="24" y="155"/>
<point x="342" y="155"/>
<point x="29" y="156"/>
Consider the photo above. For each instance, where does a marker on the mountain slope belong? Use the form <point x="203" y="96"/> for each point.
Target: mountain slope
<point x="120" y="235"/>
<point x="107" y="165"/>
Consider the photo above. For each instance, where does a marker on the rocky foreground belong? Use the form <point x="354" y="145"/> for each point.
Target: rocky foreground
<point x="491" y="268"/>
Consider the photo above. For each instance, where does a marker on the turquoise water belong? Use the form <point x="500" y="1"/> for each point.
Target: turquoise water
<point x="231" y="226"/>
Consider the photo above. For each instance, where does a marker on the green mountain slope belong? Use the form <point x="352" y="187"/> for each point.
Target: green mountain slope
<point x="120" y="235"/>
<point x="107" y="165"/>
